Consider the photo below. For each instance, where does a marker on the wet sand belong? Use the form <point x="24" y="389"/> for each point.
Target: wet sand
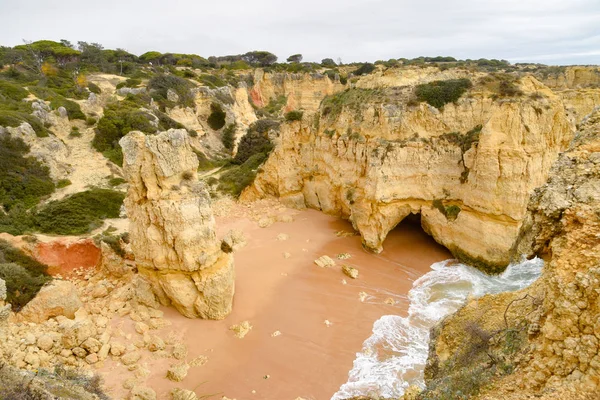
<point x="310" y="359"/>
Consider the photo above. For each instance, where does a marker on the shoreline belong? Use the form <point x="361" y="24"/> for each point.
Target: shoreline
<point x="322" y="321"/>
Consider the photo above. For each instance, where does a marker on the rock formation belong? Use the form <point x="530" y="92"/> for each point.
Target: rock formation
<point x="559" y="315"/>
<point x="172" y="228"/>
<point x="467" y="169"/>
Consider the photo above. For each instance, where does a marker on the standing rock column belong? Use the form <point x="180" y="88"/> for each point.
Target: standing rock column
<point x="172" y="228"/>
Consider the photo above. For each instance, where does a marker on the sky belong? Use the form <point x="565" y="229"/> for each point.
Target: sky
<point x="556" y="32"/>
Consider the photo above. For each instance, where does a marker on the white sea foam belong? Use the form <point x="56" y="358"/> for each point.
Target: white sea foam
<point x="394" y="357"/>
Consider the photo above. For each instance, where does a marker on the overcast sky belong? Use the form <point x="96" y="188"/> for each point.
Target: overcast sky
<point x="547" y="31"/>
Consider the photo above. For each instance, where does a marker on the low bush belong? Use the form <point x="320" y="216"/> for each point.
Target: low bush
<point x="23" y="275"/>
<point x="74" y="132"/>
<point x="216" y="119"/>
<point x="252" y="143"/>
<point x="23" y="180"/>
<point x="116" y="181"/>
<point x="63" y="183"/>
<point x="293" y="116"/>
<point x="16" y="118"/>
<point x="21" y="286"/>
<point x="440" y="93"/>
<point x="79" y="213"/>
<point x="237" y="178"/>
<point x="118" y="120"/>
<point x="365" y="69"/>
<point x="130" y="83"/>
<point x="160" y="85"/>
<point x="332" y="105"/>
<point x="94" y="88"/>
<point x="9" y="91"/>
<point x="228" y="136"/>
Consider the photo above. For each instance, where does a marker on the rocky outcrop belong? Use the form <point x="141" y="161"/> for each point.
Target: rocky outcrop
<point x="558" y="356"/>
<point x="50" y="150"/>
<point x="54" y="299"/>
<point x="303" y="91"/>
<point x="467" y="169"/>
<point x="172" y="227"/>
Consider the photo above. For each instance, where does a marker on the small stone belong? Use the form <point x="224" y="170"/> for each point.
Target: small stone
<point x="79" y="352"/>
<point x="286" y="255"/>
<point x="45" y="342"/>
<point x="351" y="272"/>
<point x="100" y="291"/>
<point x="141" y="328"/>
<point x="92" y="358"/>
<point x="129" y="383"/>
<point x="156" y="343"/>
<point x="180" y="351"/>
<point x="182" y="394"/>
<point x="241" y="329"/>
<point x="92" y="345"/>
<point x="275" y="334"/>
<point x="343" y="256"/>
<point x="178" y="372"/>
<point x="142" y="393"/>
<point x="283" y="236"/>
<point x="199" y="361"/>
<point x="324" y="262"/>
<point x="390" y="301"/>
<point x="117" y="349"/>
<point x="328" y="323"/>
<point x="265" y="222"/>
<point x="131" y="358"/>
<point x="363" y="296"/>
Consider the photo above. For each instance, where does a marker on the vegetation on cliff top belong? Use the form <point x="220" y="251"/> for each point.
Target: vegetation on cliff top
<point x="440" y="93"/>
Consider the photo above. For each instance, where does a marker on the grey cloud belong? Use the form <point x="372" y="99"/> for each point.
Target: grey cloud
<point x="550" y="31"/>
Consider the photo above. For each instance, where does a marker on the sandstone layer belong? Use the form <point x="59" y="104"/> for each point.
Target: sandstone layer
<point x="172" y="227"/>
<point x="468" y="169"/>
<point x="559" y="316"/>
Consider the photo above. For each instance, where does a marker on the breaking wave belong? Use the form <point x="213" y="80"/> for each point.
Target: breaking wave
<point x="394" y="357"/>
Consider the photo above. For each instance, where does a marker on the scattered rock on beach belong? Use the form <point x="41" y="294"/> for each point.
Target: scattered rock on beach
<point x="240" y="330"/>
<point x="325" y="262"/>
<point x="351" y="272"/>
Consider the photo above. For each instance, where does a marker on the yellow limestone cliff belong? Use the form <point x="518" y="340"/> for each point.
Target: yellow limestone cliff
<point x="468" y="169"/>
<point x="172" y="227"/>
<point x="549" y="333"/>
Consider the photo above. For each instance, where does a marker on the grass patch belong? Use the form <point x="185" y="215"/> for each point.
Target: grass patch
<point x="228" y="136"/>
<point x="450" y="212"/>
<point x="254" y="142"/>
<point x="161" y="84"/>
<point x="332" y="106"/>
<point x="116" y="181"/>
<point x="238" y="177"/>
<point x="63" y="183"/>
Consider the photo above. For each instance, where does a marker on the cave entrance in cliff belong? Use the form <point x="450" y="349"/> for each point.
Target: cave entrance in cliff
<point x="408" y="244"/>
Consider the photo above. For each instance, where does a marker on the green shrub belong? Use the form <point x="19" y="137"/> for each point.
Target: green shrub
<point x="116" y="181"/>
<point x="130" y="83"/>
<point x="228" y="136"/>
<point x="216" y="119"/>
<point x="89" y="121"/>
<point x="353" y="99"/>
<point x="73" y="109"/>
<point x="9" y="91"/>
<point x="211" y="81"/>
<point x="63" y="183"/>
<point x="264" y="126"/>
<point x="23" y="180"/>
<point x="293" y="116"/>
<point x="118" y="120"/>
<point x="16" y="118"/>
<point x="74" y="132"/>
<point x="275" y="105"/>
<point x="10" y="254"/>
<point x="252" y="143"/>
<point x="94" y="88"/>
<point x="79" y="213"/>
<point x="439" y="93"/>
<point x="365" y="69"/>
<point x="237" y="178"/>
<point x="21" y="286"/>
<point x="160" y="85"/>
<point x="450" y="212"/>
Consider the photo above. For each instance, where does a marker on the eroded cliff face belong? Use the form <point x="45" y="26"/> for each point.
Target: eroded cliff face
<point x="303" y="91"/>
<point x="468" y="169"/>
<point x="557" y="318"/>
<point x="172" y="227"/>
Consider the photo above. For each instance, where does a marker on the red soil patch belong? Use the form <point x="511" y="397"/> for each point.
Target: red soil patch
<point x="62" y="256"/>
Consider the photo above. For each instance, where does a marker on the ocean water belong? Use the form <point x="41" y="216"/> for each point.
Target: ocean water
<point x="394" y="356"/>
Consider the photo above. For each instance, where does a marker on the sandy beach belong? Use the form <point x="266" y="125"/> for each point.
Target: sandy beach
<point x="307" y="322"/>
